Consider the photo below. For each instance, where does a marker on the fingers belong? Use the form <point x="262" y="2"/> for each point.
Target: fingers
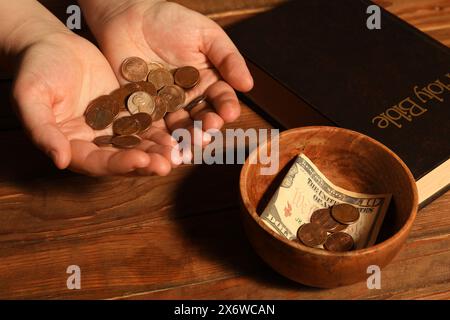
<point x="174" y="156"/>
<point x="182" y="120"/>
<point x="89" y="159"/>
<point x="208" y="116"/>
<point x="158" y="165"/>
<point x="224" y="55"/>
<point x="40" y="123"/>
<point x="171" y="151"/>
<point x="152" y="157"/>
<point x="160" y="137"/>
<point x="49" y="138"/>
<point x="226" y="109"/>
<point x="225" y="101"/>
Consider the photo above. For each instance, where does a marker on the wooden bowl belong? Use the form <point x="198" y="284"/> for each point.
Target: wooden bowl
<point x="352" y="161"/>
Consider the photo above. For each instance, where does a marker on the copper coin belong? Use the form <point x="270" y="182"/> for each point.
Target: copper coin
<point x="187" y="77"/>
<point x="134" y="69"/>
<point x="126" y="142"/>
<point x="147" y="87"/>
<point x="103" y="141"/>
<point x="97" y="102"/>
<point x="105" y="102"/>
<point x="197" y="101"/>
<point x="144" y="120"/>
<point x="155" y="65"/>
<point x="174" y="96"/>
<point x="311" y="235"/>
<point x="99" y="118"/>
<point x="123" y="93"/>
<point x="160" y="78"/>
<point x="345" y="213"/>
<point x="323" y="218"/>
<point x="160" y="109"/>
<point x="126" y="126"/>
<point x="132" y="88"/>
<point x="339" y="242"/>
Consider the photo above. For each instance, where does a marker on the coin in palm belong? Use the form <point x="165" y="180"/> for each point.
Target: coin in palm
<point x="126" y="126"/>
<point x="174" y="96"/>
<point x="160" y="78"/>
<point x="126" y="142"/>
<point x="141" y="102"/>
<point x="187" y="77"/>
<point x="134" y="69"/>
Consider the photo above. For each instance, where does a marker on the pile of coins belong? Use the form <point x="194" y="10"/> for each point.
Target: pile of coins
<point x="326" y="226"/>
<point x="152" y="92"/>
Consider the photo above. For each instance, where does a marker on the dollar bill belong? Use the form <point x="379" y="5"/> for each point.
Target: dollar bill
<point x="305" y="189"/>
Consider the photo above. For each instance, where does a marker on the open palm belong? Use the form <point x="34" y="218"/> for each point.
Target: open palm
<point x="176" y="36"/>
<point x="57" y="78"/>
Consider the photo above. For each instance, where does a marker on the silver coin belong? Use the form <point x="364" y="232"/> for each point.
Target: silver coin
<point x="141" y="101"/>
<point x="197" y="101"/>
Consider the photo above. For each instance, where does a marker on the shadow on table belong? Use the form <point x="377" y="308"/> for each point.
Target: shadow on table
<point x="206" y="207"/>
<point x="43" y="191"/>
<point x="207" y="212"/>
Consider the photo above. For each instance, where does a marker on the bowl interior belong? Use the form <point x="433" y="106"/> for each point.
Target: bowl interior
<point x="348" y="159"/>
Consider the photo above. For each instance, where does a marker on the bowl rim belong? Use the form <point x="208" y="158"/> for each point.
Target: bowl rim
<point x="316" y="251"/>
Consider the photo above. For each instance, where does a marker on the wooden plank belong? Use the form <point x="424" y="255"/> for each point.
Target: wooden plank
<point x="128" y="257"/>
<point x="44" y="219"/>
<point x="169" y="254"/>
<point x="178" y="236"/>
<point x="408" y="276"/>
<point x="420" y="271"/>
<point x="37" y="202"/>
<point x="432" y="223"/>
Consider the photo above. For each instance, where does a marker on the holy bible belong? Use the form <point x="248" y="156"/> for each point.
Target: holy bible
<point x="316" y="62"/>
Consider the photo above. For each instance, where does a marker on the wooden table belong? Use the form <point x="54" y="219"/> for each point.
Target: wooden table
<point x="178" y="236"/>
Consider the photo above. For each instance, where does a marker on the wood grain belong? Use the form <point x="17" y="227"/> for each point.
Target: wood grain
<point x="178" y="236"/>
<point x="405" y="278"/>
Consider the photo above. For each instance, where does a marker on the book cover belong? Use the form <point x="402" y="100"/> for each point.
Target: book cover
<point x="317" y="62"/>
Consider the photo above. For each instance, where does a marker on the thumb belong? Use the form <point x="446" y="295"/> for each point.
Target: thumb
<point x="39" y="122"/>
<point x="49" y="138"/>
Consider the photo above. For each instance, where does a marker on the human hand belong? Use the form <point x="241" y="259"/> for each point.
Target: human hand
<point x="176" y="36"/>
<point x="57" y="77"/>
